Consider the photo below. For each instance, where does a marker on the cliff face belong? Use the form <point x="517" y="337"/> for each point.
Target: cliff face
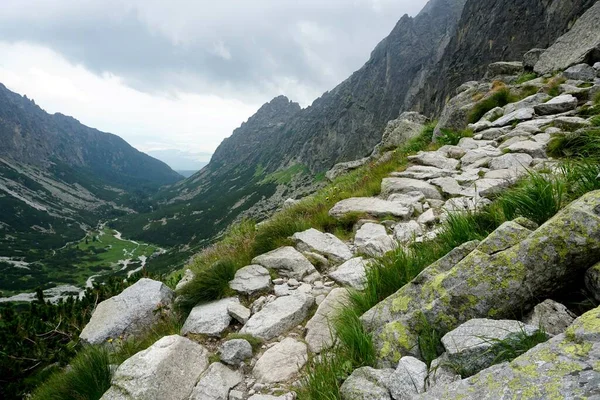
<point x="490" y="31"/>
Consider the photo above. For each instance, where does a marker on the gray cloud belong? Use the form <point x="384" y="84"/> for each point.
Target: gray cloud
<point x="245" y="49"/>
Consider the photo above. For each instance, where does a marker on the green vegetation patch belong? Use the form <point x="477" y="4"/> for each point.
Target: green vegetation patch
<point x="285" y="176"/>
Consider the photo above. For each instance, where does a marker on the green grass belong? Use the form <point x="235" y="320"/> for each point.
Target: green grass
<point x="285" y="176"/>
<point x="499" y="98"/>
<point x="553" y="86"/>
<point x="87" y="379"/>
<point x="526" y="77"/>
<point x="254" y="341"/>
<point x="429" y="340"/>
<point x="210" y="284"/>
<point x="450" y="137"/>
<point x="323" y="377"/>
<point x="583" y="144"/>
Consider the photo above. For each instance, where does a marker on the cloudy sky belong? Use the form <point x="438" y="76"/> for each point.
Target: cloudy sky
<point x="182" y="74"/>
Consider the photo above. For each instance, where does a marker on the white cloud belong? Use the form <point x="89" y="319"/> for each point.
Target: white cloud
<point x="185" y="121"/>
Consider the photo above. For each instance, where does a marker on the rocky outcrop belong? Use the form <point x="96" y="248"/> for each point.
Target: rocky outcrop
<point x="209" y="319"/>
<point x="325" y="244"/>
<point x="216" y="382"/>
<point x="320" y="334"/>
<point x="554" y="318"/>
<point x="132" y="312"/>
<point x="281" y="362"/>
<point x="481" y="285"/>
<point x="287" y="261"/>
<point x="252" y="279"/>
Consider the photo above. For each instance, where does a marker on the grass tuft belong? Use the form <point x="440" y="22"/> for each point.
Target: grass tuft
<point x="254" y="341"/>
<point x="452" y="138"/>
<point x="209" y="284"/>
<point x="526" y="77"/>
<point x="584" y="144"/>
<point x="429" y="340"/>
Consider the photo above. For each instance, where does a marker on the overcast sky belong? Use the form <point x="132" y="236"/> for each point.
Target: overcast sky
<point x="182" y="74"/>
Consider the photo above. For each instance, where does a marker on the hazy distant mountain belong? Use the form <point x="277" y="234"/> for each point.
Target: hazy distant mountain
<point x="181" y="160"/>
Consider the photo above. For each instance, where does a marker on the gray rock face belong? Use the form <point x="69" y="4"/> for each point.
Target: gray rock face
<point x="553" y="317"/>
<point x="557" y="105"/>
<point x="423" y="172"/>
<point x="496" y="285"/>
<point x="511" y="160"/>
<point x="592" y="281"/>
<point x="408" y="379"/>
<point x="504" y="68"/>
<point x="209" y="319"/>
<point x="251" y="279"/>
<point x="132" y="312"/>
<point x="319" y="330"/>
<point x="352" y="273"/>
<point x="238" y="312"/>
<point x="169" y="369"/>
<point x="580" y="72"/>
<point x="371" y="206"/>
<point x="404" y="232"/>
<point x="398" y="131"/>
<point x="434" y="159"/>
<point x="287" y="261"/>
<point x="281" y="362"/>
<point x="325" y="244"/>
<point x="404" y="185"/>
<point x="279" y="316"/>
<point x="235" y="351"/>
<point x="527" y="102"/>
<point x="579" y="45"/>
<point x="345" y="167"/>
<point x="216" y="382"/>
<point x="505" y="236"/>
<point x="531" y="58"/>
<point x="469" y="346"/>
<point x="523" y="114"/>
<point x="187" y="278"/>
<point x="565" y="367"/>
<point x="533" y="148"/>
<point x="373" y="240"/>
<point x="367" y="383"/>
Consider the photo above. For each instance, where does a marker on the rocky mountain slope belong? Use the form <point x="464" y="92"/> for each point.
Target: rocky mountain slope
<point x="58" y="176"/>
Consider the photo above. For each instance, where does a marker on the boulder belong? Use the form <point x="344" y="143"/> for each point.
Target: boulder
<point x="429" y="217"/>
<point x="371" y="206"/>
<point x="504" y="68"/>
<point x="449" y="151"/>
<point x="531" y="147"/>
<point x="552" y="317"/>
<point x="251" y="279"/>
<point x="441" y="373"/>
<point x="216" y="382"/>
<point x="372" y="239"/>
<point x="531" y="58"/>
<point x="238" y="312"/>
<point x="448" y="186"/>
<point x="434" y="159"/>
<point x="472" y="156"/>
<point x="495" y="286"/>
<point x="169" y="369"/>
<point x="522" y="114"/>
<point x="511" y="160"/>
<point x="287" y="396"/>
<point x="581" y="44"/>
<point x="367" y="383"/>
<point x="325" y="244"/>
<point x="565" y="367"/>
<point x="505" y="236"/>
<point x="235" y="351"/>
<point x="557" y="105"/>
<point x="319" y="330"/>
<point x="456" y="112"/>
<point x="408" y="379"/>
<point x="423" y="172"/>
<point x="398" y="131"/>
<point x="404" y="185"/>
<point x="281" y="362"/>
<point x="287" y="261"/>
<point x="404" y="232"/>
<point x="592" y="281"/>
<point x="345" y="167"/>
<point x="485" y="188"/>
<point x="580" y="72"/>
<point x="570" y="123"/>
<point x="289" y="203"/>
<point x="470" y="347"/>
<point x="279" y="316"/>
<point x="408" y="199"/>
<point x="528" y="102"/>
<point x="132" y="312"/>
<point x="209" y="319"/>
<point x="188" y="276"/>
<point x="352" y="273"/>
<point x="470" y="143"/>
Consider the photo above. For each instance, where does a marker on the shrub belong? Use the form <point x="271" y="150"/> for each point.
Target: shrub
<point x="452" y="138"/>
<point x="499" y="98"/>
<point x="526" y="77"/>
<point x="209" y="284"/>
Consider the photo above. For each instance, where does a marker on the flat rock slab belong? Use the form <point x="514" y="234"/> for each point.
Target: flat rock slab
<point x="169" y="369"/>
<point x="279" y="316"/>
<point x="448" y="186"/>
<point x="512" y="160"/>
<point x="251" y="279"/>
<point x="281" y="362"/>
<point x="505" y="236"/>
<point x="287" y="261"/>
<point x="405" y="185"/>
<point x="531" y="147"/>
<point x="474" y="155"/>
<point x="235" y="351"/>
<point x="405" y="232"/>
<point x="557" y="105"/>
<point x="320" y="332"/>
<point x="527" y="102"/>
<point x="523" y="114"/>
<point x="423" y="172"/>
<point x="373" y="240"/>
<point x="209" y="319"/>
<point x="372" y="206"/>
<point x="434" y="159"/>
<point x="352" y="273"/>
<point x="470" y="344"/>
<point x="367" y="383"/>
<point x="132" y="312"/>
<point x="216" y="382"/>
<point x="325" y="244"/>
<point x="408" y="379"/>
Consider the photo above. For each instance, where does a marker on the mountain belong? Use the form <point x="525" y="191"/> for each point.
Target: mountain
<point x="58" y="176"/>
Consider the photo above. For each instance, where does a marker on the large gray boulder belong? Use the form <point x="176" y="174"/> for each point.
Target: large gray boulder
<point x="531" y="58"/>
<point x="367" y="383"/>
<point x="557" y="105"/>
<point x="592" y="281"/>
<point x="554" y="318"/>
<point x="400" y="130"/>
<point x="527" y="102"/>
<point x="373" y="240"/>
<point x="132" y="312"/>
<point x="580" y="45"/>
<point x="235" y="351"/>
<point x="470" y="346"/>
<point x="565" y="367"/>
<point x="287" y="261"/>
<point x="169" y="369"/>
<point x="501" y="68"/>
<point x="325" y="244"/>
<point x="371" y="206"/>
<point x="342" y="168"/>
<point x="434" y="159"/>
<point x="209" y="319"/>
<point x="216" y="382"/>
<point x="279" y="316"/>
<point x="455" y="115"/>
<point x="580" y="72"/>
<point x="507" y="235"/>
<point x="352" y="273"/>
<point x="405" y="185"/>
<point x="251" y="279"/>
<point x="408" y="379"/>
<point x="281" y="362"/>
<point x="320" y="332"/>
<point x="484" y="285"/>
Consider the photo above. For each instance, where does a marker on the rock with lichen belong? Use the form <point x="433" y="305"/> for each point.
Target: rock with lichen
<point x="490" y="286"/>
